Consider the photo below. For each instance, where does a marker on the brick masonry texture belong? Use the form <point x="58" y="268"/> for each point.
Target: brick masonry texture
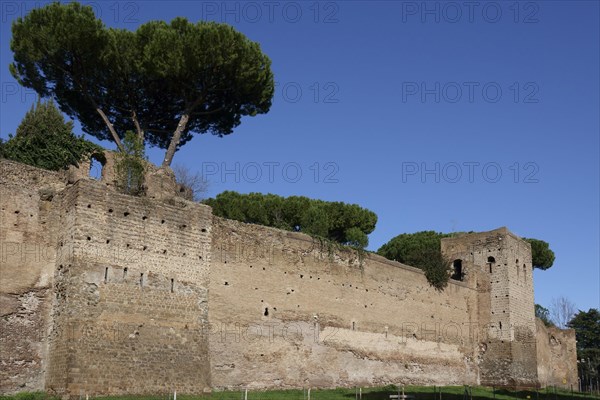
<point x="103" y="293"/>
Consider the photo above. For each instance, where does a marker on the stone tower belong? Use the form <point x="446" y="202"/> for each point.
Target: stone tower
<point x="498" y="264"/>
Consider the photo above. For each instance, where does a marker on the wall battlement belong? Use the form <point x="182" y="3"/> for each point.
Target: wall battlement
<point x="103" y="293"/>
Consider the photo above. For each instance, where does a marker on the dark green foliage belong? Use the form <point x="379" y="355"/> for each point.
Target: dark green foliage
<point x="587" y="332"/>
<point x="348" y="224"/>
<point x="544" y="314"/>
<point x="587" y="328"/>
<point x="541" y="255"/>
<point x="130" y="166"/>
<point x="356" y="238"/>
<point x="409" y="248"/>
<point x="45" y="140"/>
<point x="421" y="250"/>
<point x="165" y="81"/>
<point x="437" y="268"/>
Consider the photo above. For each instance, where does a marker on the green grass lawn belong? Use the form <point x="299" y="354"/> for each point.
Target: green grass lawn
<point x="419" y="393"/>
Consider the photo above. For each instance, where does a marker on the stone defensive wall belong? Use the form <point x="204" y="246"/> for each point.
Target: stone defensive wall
<point x="104" y="293"/>
<point x="287" y="310"/>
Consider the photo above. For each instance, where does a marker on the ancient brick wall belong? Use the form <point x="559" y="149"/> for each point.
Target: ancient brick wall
<point x="499" y="263"/>
<point x="131" y="295"/>
<point x="27" y="259"/>
<point x="288" y="311"/>
<point x="556" y="356"/>
<point x="103" y="293"/>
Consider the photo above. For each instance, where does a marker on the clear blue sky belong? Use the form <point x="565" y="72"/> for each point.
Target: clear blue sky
<point x="446" y="116"/>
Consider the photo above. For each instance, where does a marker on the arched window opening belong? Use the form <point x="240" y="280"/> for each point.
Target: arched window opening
<point x="96" y="167"/>
<point x="457" y="273"/>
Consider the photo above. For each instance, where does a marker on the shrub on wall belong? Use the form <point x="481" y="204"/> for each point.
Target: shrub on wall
<point x="45" y="140"/>
<point x="421" y="250"/>
<point x="348" y="224"/>
<point x="409" y="248"/>
<point x="437" y="269"/>
<point x="130" y="166"/>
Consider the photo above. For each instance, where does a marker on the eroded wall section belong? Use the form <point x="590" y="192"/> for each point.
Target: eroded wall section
<point x="289" y="311"/>
<point x="27" y="258"/>
<point x="556" y="356"/>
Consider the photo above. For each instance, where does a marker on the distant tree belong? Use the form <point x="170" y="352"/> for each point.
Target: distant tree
<point x="163" y="81"/>
<point x="587" y="328"/>
<point x="45" y="140"/>
<point x="587" y="332"/>
<point x="542" y="256"/>
<point x="348" y="224"/>
<point x="356" y="238"/>
<point x="421" y="250"/>
<point x="410" y="248"/>
<point x="543" y="314"/>
<point x="562" y="311"/>
<point x="193" y="181"/>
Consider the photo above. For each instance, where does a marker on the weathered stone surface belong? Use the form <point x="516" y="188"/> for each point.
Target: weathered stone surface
<point x="556" y="355"/>
<point x="498" y="264"/>
<point x="103" y="293"/>
<point x="332" y="318"/>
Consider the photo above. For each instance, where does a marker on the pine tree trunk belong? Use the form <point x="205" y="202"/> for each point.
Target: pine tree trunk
<point x="175" y="140"/>
<point x="110" y="128"/>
